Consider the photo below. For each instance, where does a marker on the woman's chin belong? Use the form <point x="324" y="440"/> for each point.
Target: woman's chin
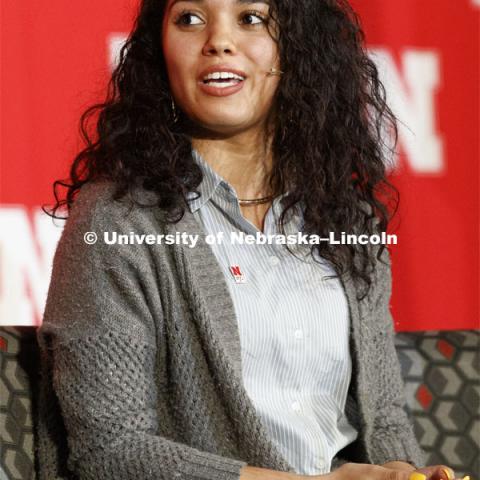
<point x="224" y="125"/>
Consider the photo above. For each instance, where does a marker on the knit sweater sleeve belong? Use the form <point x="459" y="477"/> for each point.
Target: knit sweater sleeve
<point x="100" y="332"/>
<point x="393" y="437"/>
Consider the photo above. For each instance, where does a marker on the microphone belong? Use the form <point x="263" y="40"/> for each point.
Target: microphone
<point x="274" y="71"/>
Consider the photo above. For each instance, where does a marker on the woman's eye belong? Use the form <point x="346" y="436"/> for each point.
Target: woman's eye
<point x="252" y="16"/>
<point x="182" y="19"/>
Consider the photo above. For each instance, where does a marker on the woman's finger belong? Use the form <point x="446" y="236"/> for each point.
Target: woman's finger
<point x="402" y="466"/>
<point x="434" y="472"/>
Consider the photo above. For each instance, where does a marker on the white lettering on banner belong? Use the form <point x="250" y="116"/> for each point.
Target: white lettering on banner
<point x="115" y="42"/>
<point x="411" y="95"/>
<point x="27" y="246"/>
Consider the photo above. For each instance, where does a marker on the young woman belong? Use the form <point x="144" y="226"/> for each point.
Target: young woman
<point x="169" y="353"/>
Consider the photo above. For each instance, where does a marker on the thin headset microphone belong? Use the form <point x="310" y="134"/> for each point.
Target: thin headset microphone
<point x="274" y="71"/>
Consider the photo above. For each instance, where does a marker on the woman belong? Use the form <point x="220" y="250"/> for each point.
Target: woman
<point x="166" y="355"/>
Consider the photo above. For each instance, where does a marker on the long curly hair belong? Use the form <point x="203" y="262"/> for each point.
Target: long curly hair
<point x="328" y="137"/>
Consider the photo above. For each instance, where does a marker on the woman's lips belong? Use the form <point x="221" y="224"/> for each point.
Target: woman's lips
<point x="220" y="91"/>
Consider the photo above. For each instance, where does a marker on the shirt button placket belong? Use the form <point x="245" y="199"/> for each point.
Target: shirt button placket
<point x="298" y="334"/>
<point x="296" y="406"/>
<point x="273" y="260"/>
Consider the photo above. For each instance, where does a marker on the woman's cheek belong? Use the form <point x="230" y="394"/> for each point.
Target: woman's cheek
<point x="262" y="54"/>
<point x="181" y="72"/>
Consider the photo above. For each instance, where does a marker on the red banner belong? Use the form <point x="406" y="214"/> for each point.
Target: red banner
<point x="55" y="61"/>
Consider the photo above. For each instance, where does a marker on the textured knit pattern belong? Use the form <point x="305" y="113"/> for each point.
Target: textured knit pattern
<point x="141" y="360"/>
<point x="294" y="326"/>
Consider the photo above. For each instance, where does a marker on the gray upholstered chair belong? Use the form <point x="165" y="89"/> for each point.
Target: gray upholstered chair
<point x="441" y="371"/>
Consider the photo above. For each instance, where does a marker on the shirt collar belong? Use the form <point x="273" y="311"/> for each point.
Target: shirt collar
<point x="210" y="182"/>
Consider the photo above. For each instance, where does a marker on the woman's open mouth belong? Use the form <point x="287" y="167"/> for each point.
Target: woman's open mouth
<point x="222" y="79"/>
<point x="220" y="84"/>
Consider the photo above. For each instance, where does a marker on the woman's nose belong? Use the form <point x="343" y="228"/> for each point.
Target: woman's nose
<point x="220" y="40"/>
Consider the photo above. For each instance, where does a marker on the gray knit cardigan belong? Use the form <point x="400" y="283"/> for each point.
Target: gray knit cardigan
<point x="141" y="361"/>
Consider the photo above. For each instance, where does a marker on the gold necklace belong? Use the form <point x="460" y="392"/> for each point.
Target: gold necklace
<point x="255" y="201"/>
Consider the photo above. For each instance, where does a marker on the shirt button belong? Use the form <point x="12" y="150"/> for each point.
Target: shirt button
<point x="274" y="260"/>
<point x="298" y="334"/>
<point x="295" y="406"/>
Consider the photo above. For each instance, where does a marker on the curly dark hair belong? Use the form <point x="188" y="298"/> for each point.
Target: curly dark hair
<point x="328" y="135"/>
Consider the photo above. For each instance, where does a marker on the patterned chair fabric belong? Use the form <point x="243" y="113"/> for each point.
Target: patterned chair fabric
<point x="442" y="379"/>
<point x="19" y="359"/>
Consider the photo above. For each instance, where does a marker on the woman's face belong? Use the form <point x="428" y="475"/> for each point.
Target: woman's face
<point x="202" y="37"/>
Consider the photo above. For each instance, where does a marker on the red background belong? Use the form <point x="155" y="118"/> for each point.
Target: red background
<point x="54" y="63"/>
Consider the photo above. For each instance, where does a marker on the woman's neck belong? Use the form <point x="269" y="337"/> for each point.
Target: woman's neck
<point x="243" y="160"/>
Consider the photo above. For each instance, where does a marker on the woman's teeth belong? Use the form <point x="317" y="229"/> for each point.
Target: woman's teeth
<point x="223" y="84"/>
<point x="222" y="79"/>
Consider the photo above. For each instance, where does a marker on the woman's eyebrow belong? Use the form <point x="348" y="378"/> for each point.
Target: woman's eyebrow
<point x="254" y="1"/>
<point x="237" y="1"/>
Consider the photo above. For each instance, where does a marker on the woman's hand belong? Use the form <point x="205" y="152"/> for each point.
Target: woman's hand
<point x="366" y="471"/>
<point x="358" y="471"/>
<point x="432" y="472"/>
<point x="389" y="471"/>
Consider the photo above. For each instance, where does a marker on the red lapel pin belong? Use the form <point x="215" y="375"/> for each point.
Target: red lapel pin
<point x="237" y="273"/>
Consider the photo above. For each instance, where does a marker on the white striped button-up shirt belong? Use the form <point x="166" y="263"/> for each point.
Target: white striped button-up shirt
<point x="293" y="325"/>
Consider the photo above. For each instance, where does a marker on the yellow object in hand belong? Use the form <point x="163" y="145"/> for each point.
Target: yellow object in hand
<point x="417" y="476"/>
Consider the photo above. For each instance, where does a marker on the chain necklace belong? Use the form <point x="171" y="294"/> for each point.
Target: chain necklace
<point x="255" y="201"/>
